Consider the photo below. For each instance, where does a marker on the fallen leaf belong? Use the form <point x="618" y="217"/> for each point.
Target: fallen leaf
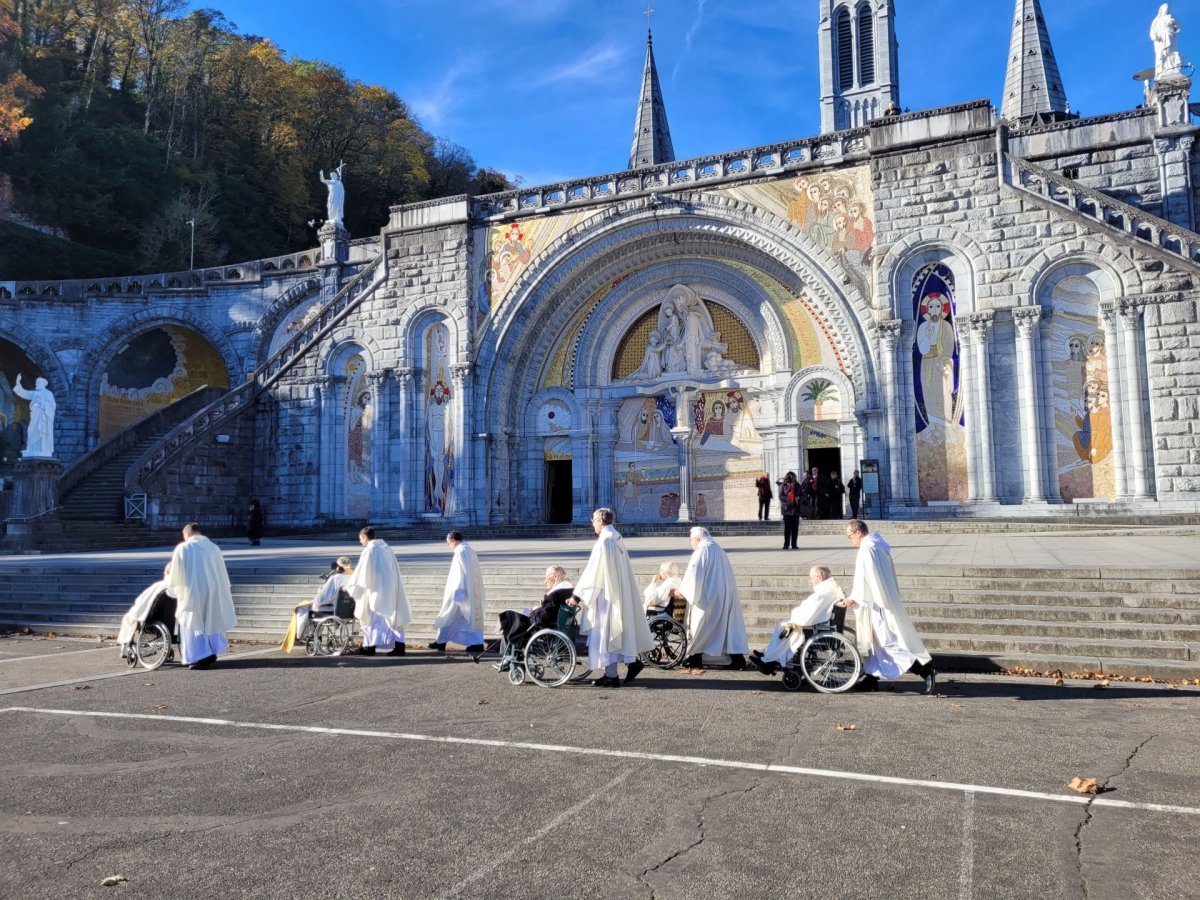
<point x="160" y="706"/>
<point x="1100" y="685"/>
<point x="482" y="703"/>
<point x="1171" y="687"/>
<point x="113" y="880"/>
<point x="147" y="684"/>
<point x="842" y="726"/>
<point x="756" y="692"/>
<point x="1084" y="785"/>
<point x="83" y="687"/>
<point x="1014" y="699"/>
<point x="957" y="706"/>
<point x="1058" y="681"/>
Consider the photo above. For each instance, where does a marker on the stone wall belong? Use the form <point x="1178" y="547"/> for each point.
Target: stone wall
<point x="1173" y="346"/>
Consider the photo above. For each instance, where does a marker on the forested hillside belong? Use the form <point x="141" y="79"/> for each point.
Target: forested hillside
<point x="120" y="120"/>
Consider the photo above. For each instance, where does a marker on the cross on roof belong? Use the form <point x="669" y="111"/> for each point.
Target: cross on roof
<point x="649" y="13"/>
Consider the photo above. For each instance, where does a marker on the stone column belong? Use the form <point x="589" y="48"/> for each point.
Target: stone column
<point x="888" y="334"/>
<point x="463" y="500"/>
<point x="405" y="440"/>
<point x="684" y="434"/>
<point x="1030" y="407"/>
<point x="378" y="382"/>
<point x="1131" y="322"/>
<point x="980" y="326"/>
<point x="1117" y="404"/>
<point x="606" y="451"/>
<point x="320" y="400"/>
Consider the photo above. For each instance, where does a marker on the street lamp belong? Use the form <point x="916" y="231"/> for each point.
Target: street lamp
<point x="192" y="257"/>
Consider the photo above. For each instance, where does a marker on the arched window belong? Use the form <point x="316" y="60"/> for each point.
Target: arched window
<point x="866" y="45"/>
<point x="844" y="41"/>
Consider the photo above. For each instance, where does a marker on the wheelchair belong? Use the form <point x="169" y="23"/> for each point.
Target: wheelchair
<point x="333" y="633"/>
<point x="827" y="660"/>
<point x="670" y="636"/>
<point x="153" y="642"/>
<point x="547" y="656"/>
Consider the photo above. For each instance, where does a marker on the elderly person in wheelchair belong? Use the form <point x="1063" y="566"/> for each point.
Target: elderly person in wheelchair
<point x="516" y="627"/>
<point x="809" y="643"/>
<point x="138" y="613"/>
<point x="324" y="603"/>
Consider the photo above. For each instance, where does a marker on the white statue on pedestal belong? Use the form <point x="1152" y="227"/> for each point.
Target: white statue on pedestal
<point x="336" y="200"/>
<point x="40" y="441"/>
<point x="685" y="343"/>
<point x="1164" y="32"/>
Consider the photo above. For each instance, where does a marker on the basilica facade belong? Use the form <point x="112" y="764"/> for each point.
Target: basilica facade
<point x="989" y="313"/>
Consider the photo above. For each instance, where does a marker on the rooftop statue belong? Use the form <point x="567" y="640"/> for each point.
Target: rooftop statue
<point x="336" y="200"/>
<point x="1164" y="32"/>
<point x="40" y="441"/>
<point x="685" y="344"/>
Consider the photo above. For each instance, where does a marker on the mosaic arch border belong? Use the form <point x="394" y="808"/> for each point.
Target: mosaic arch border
<point x="605" y="333"/>
<point x="929" y="245"/>
<point x="598" y="250"/>
<point x="107" y="343"/>
<point x="264" y="329"/>
<point x="46" y="359"/>
<point x="791" y="394"/>
<point x="1035" y="275"/>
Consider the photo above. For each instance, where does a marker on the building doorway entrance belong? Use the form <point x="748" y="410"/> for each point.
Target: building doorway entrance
<point x="559" y="495"/>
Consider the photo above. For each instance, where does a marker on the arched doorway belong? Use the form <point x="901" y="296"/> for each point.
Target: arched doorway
<point x="14" y="412"/>
<point x="152" y="370"/>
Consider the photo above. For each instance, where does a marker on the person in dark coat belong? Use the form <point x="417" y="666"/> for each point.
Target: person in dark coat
<point x="763" y="485"/>
<point x="254" y="525"/>
<point x="789" y="504"/>
<point x="854" y="489"/>
<point x="814" y="488"/>
<point x="836" y="492"/>
<point x="515" y="626"/>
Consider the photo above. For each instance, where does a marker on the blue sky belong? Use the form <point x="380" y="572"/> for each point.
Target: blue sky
<point x="546" y="89"/>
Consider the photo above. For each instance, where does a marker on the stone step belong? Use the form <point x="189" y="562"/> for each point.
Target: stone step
<point x="941" y="628"/>
<point x="999" y="610"/>
<point x="1034" y="646"/>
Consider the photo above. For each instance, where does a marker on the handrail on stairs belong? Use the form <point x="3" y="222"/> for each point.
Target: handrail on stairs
<point x="143" y="470"/>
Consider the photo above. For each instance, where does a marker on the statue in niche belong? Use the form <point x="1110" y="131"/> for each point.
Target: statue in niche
<point x="40" y="431"/>
<point x="685" y="343"/>
<point x="336" y="200"/>
<point x="1164" y="32"/>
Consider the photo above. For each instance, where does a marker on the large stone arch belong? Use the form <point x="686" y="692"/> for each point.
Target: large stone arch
<point x="791" y="394"/>
<point x="38" y="352"/>
<point x="926" y="245"/>
<point x="269" y="322"/>
<point x="1050" y="262"/>
<point x="89" y="373"/>
<point x="606" y="246"/>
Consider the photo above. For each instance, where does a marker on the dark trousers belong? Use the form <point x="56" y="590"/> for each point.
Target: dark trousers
<point x="854" y="506"/>
<point x="514" y="625"/>
<point x="791" y="528"/>
<point x="764" y="508"/>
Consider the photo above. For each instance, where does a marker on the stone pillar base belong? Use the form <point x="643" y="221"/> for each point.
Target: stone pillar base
<point x="34" y="514"/>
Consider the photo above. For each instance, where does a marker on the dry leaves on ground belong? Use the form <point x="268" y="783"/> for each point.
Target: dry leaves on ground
<point x="1084" y="785"/>
<point x="843" y="726"/>
<point x="1100" y="685"/>
<point x="83" y="687"/>
<point x="160" y="706"/>
<point x="958" y="706"/>
<point x="484" y="702"/>
<point x="113" y="880"/>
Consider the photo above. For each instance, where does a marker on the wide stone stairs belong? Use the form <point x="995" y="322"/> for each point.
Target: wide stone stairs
<point x="1119" y="621"/>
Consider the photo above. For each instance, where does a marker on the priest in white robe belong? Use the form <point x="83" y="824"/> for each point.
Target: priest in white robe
<point x="140" y="609"/>
<point x="662" y="588"/>
<point x="381" y="604"/>
<point x="614" y="620"/>
<point x="817" y="607"/>
<point x="205" y="611"/>
<point x="464" y="604"/>
<point x="887" y="639"/>
<point x="714" y="621"/>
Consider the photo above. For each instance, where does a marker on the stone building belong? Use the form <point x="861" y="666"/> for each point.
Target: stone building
<point x="999" y="311"/>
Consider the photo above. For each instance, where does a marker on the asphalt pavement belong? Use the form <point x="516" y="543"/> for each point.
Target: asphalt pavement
<point x="275" y="776"/>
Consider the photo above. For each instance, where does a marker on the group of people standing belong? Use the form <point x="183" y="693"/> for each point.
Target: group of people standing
<point x="813" y="496"/>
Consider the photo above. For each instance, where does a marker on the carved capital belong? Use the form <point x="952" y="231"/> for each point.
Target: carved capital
<point x="1027" y="319"/>
<point x="1108" y="316"/>
<point x="979" y="324"/>
<point x="376" y="379"/>
<point x="1130" y="310"/>
<point x="887" y="331"/>
<point x="406" y="375"/>
<point x="461" y="372"/>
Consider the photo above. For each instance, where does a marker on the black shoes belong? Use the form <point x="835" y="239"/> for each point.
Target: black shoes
<point x="475" y="648"/>
<point x="695" y="661"/>
<point x="737" y="662"/>
<point x="440" y="648"/>
<point x="398" y="650"/>
<point x="205" y="663"/>
<point x="930" y="677"/>
<point x="868" y="683"/>
<point x="767" y="668"/>
<point x="606" y="682"/>
<point x="633" y="670"/>
<point x="366" y="651"/>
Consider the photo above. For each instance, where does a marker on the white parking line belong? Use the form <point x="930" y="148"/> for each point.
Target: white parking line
<point x="54" y="655"/>
<point x="701" y="761"/>
<point x="966" y="863"/>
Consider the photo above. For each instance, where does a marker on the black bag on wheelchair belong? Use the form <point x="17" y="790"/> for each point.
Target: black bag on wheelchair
<point x="344" y="608"/>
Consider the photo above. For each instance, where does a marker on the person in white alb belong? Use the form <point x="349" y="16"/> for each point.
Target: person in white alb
<point x="205" y="611"/>
<point x="381" y="604"/>
<point x="464" y="604"/>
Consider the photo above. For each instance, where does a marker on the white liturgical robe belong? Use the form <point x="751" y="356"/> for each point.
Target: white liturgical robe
<point x="460" y="620"/>
<point x="138" y="612"/>
<point x="205" y="610"/>
<point x="614" y="620"/>
<point x="715" y="622"/>
<point x="886" y="637"/>
<point x="381" y="604"/>
<point x="657" y="594"/>
<point x="814" y="609"/>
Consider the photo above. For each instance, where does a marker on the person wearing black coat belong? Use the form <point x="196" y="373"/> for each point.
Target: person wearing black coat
<point x="789" y="505"/>
<point x="854" y="489"/>
<point x="514" y="625"/>
<point x="814" y="488"/>
<point x="254" y="524"/>
<point x="836" y="492"/>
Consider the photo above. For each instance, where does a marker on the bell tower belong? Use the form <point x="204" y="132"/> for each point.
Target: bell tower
<point x="860" y="77"/>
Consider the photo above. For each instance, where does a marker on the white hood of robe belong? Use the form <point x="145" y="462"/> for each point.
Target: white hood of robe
<point x="199" y="580"/>
<point x="464" y="595"/>
<point x="876" y="588"/>
<point x="715" y="623"/>
<point x="377" y="587"/>
<point x="140" y="609"/>
<point x="609" y="575"/>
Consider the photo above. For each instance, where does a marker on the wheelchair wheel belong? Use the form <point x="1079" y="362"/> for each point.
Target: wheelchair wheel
<point x="331" y="637"/>
<point x="310" y="646"/>
<point x="792" y="680"/>
<point x="670" y="643"/>
<point x="549" y="658"/>
<point x="153" y="645"/>
<point x="830" y="663"/>
<point x="516" y="674"/>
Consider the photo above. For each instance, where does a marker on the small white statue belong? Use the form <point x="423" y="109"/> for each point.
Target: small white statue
<point x="40" y="441"/>
<point x="336" y="200"/>
<point x="1164" y="32"/>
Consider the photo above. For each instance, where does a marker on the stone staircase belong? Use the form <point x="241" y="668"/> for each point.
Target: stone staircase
<point x="1169" y="242"/>
<point x="1122" y="621"/>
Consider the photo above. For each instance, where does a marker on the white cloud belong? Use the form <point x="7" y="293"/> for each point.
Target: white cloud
<point x="597" y="65"/>
<point x="688" y="38"/>
<point x="435" y="105"/>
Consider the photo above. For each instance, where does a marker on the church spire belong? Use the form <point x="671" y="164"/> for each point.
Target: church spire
<point x="651" y="134"/>
<point x="1033" y="88"/>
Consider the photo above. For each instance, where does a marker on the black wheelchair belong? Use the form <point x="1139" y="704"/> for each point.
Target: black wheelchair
<point x="827" y="660"/>
<point x="156" y="636"/>
<point x="670" y="635"/>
